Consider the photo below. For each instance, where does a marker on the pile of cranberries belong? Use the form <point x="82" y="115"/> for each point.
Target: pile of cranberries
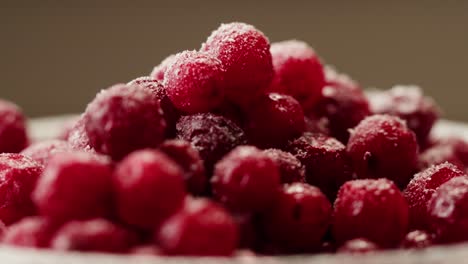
<point x="239" y="145"/>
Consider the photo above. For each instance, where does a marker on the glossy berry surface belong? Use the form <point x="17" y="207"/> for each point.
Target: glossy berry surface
<point x="382" y="146"/>
<point x="299" y="219"/>
<point x="244" y="52"/>
<point x="422" y="187"/>
<point x="160" y="70"/>
<point x="122" y="119"/>
<point x="290" y="168"/>
<point x="74" y="185"/>
<point x="371" y="209"/>
<point x="18" y="176"/>
<point x="417" y="239"/>
<point x="358" y="246"/>
<point x="13" y="134"/>
<point x="200" y="228"/>
<point x="195" y="82"/>
<point x="148" y="188"/>
<point x="246" y="180"/>
<point x="34" y="232"/>
<point x="43" y="150"/>
<point x="274" y="119"/>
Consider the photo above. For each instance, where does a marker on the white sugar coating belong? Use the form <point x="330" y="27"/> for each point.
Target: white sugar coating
<point x="291" y="49"/>
<point x="159" y="70"/>
<point x="10" y="161"/>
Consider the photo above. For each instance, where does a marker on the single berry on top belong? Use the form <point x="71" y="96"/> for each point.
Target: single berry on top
<point x="13" y="134"/>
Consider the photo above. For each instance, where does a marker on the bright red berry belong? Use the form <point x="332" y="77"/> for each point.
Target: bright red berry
<point x="13" y="134"/>
<point x="35" y="232"/>
<point x="160" y="70"/>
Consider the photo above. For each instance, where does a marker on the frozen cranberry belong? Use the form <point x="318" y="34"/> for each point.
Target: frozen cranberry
<point x="159" y="71"/>
<point x="452" y="149"/>
<point x="325" y="159"/>
<point x="77" y="137"/>
<point x="407" y="102"/>
<point x="381" y="146"/>
<point x="189" y="160"/>
<point x="244" y="52"/>
<point x="13" y="134"/>
<point x="200" y="228"/>
<point x="122" y="119"/>
<point x="298" y="71"/>
<point x="246" y="179"/>
<point x="194" y="82"/>
<point x="274" y="119"/>
<point x="74" y="185"/>
<point x="421" y="188"/>
<point x="371" y="209"/>
<point x="93" y="235"/>
<point x="146" y="250"/>
<point x="290" y="168"/>
<point x="358" y="246"/>
<point x="212" y="135"/>
<point x="149" y="187"/>
<point x="299" y="219"/>
<point x="417" y="239"/>
<point x="448" y="211"/>
<point x="18" y="176"/>
<point x="42" y="151"/>
<point x="318" y="125"/>
<point x="35" y="232"/>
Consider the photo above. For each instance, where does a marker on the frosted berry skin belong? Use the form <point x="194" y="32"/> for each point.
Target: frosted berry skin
<point x="212" y="135"/>
<point x="382" y="146"/>
<point x="422" y="187"/>
<point x="124" y="118"/>
<point x="148" y="188"/>
<point x="274" y="119"/>
<point x="78" y="138"/>
<point x="34" y="232"/>
<point x="160" y="70"/>
<point x="246" y="180"/>
<point x="439" y="154"/>
<point x="448" y="211"/>
<point x="298" y="72"/>
<point x="74" y="185"/>
<point x="417" y="239"/>
<point x="93" y="235"/>
<point x="325" y="159"/>
<point x="200" y="228"/>
<point x="409" y="103"/>
<point x="244" y="52"/>
<point x="189" y="161"/>
<point x="43" y="150"/>
<point x="371" y="209"/>
<point x="290" y="168"/>
<point x="358" y="246"/>
<point x="13" y="134"/>
<point x="18" y="176"/>
<point x="194" y="82"/>
<point x="299" y="219"/>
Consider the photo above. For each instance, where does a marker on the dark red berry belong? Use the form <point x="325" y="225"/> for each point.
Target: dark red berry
<point x="249" y="236"/>
<point x="148" y="188"/>
<point x="246" y="180"/>
<point x="160" y="70"/>
<point x="18" y="176"/>
<point x="74" y="185"/>
<point x="200" y="228"/>
<point x="371" y="209"/>
<point x="43" y="150"/>
<point x="422" y="187"/>
<point x="417" y="239"/>
<point x="274" y="119"/>
<point x="13" y="135"/>
<point x="358" y="246"/>
<point x="35" y="232"/>
<point x="122" y="119"/>
<point x="232" y="112"/>
<point x="290" y="168"/>
<point x="382" y="146"/>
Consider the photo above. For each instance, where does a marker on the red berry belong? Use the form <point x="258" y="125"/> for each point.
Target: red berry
<point x="212" y="135"/>
<point x="18" y="176"/>
<point x="146" y="250"/>
<point x="371" y="209"/>
<point x="298" y="71"/>
<point x="417" y="239"/>
<point x="42" y="151"/>
<point x="439" y="154"/>
<point x="149" y="187"/>
<point x="422" y="187"/>
<point x="358" y="246"/>
<point x="189" y="161"/>
<point x="35" y="232"/>
<point x="381" y="146"/>
<point x="93" y="235"/>
<point x="299" y="219"/>
<point x="122" y="119"/>
<point x="325" y="159"/>
<point x="335" y="78"/>
<point x="160" y="70"/>
<point x="246" y="180"/>
<point x="78" y="138"/>
<point x="200" y="228"/>
<point x="194" y="82"/>
<point x="74" y="185"/>
<point x="244" y="52"/>
<point x="448" y="211"/>
<point x="274" y="119"/>
<point x="290" y="168"/>
<point x="13" y="135"/>
<point x="248" y="234"/>
<point x="316" y="125"/>
<point x="66" y="127"/>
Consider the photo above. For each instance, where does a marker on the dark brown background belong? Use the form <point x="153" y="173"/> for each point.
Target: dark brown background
<point x="56" y="56"/>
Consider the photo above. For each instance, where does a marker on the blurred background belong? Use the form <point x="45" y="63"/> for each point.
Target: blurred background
<point x="55" y="55"/>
